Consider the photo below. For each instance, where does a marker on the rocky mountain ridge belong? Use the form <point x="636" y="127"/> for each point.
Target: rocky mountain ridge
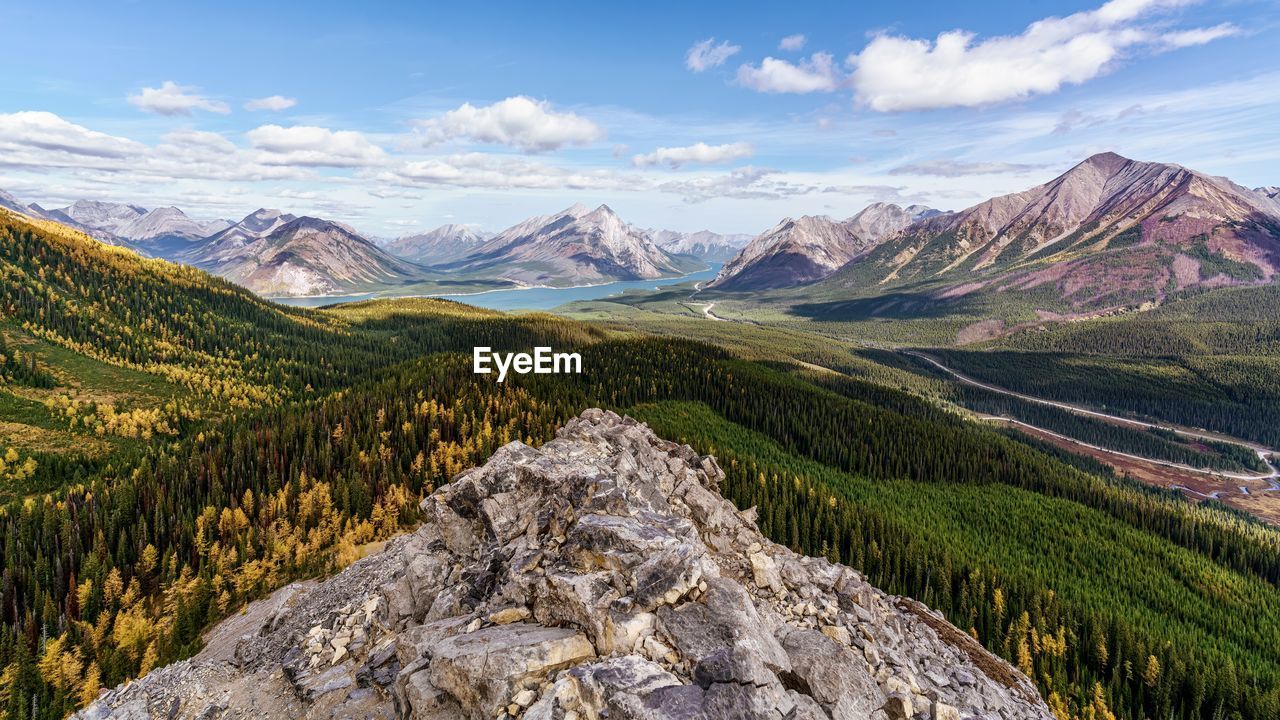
<point x="798" y="251"/>
<point x="703" y="244"/>
<point x="446" y="243"/>
<point x="599" y="576"/>
<point x="1107" y="232"/>
<point x="277" y="254"/>
<point x="575" y="246"/>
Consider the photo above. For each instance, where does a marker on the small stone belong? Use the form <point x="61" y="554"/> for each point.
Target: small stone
<point x="838" y="633"/>
<point x="872" y="655"/>
<point x="525" y="698"/>
<point x="509" y="615"/>
<point x="898" y="707"/>
<point x="943" y="711"/>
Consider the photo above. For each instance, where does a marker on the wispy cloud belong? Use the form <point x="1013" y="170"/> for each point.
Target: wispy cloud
<point x="791" y="43"/>
<point x="174" y="99"/>
<point x="706" y="54"/>
<point x="698" y="153"/>
<point x="955" y="168"/>
<point x="274" y="103"/>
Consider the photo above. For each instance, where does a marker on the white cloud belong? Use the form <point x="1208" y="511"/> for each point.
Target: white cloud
<point x="1198" y="36"/>
<point x="481" y="170"/>
<point x="274" y="103"/>
<point x="173" y="99"/>
<point x="308" y="146"/>
<point x="44" y="131"/>
<point x="791" y="43"/>
<point x="955" y="168"/>
<point x="895" y="73"/>
<point x="817" y="74"/>
<point x="700" y="153"/>
<point x="522" y="122"/>
<point x="706" y="54"/>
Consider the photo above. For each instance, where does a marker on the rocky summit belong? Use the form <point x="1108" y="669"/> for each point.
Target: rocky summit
<point x="599" y="576"/>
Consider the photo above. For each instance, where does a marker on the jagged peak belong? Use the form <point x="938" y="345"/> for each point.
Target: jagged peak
<point x="263" y="214"/>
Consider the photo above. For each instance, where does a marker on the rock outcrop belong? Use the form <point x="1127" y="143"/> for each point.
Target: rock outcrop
<point x="599" y="576"/>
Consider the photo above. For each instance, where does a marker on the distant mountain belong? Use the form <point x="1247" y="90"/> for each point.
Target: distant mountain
<point x="105" y="217"/>
<point x="446" y="243"/>
<point x="572" y="247"/>
<point x="1108" y="232"/>
<point x="162" y="232"/>
<point x="9" y="202"/>
<point x="802" y="250"/>
<point x="1270" y="191"/>
<point x="878" y="221"/>
<point x="704" y="244"/>
<point x="227" y="245"/>
<point x="277" y="254"/>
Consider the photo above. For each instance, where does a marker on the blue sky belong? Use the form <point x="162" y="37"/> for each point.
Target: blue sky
<point x="399" y="117"/>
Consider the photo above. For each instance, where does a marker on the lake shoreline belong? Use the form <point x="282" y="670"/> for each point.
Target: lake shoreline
<point x="554" y="296"/>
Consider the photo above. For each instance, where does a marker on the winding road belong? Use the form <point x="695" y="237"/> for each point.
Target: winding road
<point x="1262" y="452"/>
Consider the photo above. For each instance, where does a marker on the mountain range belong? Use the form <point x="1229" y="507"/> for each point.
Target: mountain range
<point x="444" y="244"/>
<point x="703" y="244"/>
<point x="801" y="250"/>
<point x="577" y="245"/>
<point x="274" y="253"/>
<point x="160" y="232"/>
<point x="1110" y="232"/>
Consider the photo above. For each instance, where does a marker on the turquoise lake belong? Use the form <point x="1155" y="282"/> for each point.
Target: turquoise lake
<point x="526" y="299"/>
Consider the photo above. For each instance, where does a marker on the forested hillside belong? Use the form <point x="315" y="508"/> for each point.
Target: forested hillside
<point x="318" y="431"/>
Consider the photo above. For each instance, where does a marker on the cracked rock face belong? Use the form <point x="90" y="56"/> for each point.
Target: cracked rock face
<point x="599" y="576"/>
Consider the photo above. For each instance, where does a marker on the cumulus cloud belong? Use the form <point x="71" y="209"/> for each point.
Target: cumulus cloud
<point x="894" y="73"/>
<point x="706" y="54"/>
<point x="699" y="153"/>
<point x="174" y="99"/>
<point x="522" y="122"/>
<point x="792" y="43"/>
<point x="953" y="168"/>
<point x="817" y="74"/>
<point x="45" y="131"/>
<point x="308" y="146"/>
<point x="274" y="103"/>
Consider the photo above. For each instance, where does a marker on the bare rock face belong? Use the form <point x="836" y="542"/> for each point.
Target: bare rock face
<point x="599" y="576"/>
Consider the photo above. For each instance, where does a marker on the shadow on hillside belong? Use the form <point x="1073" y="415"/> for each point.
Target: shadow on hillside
<point x="893" y="306"/>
